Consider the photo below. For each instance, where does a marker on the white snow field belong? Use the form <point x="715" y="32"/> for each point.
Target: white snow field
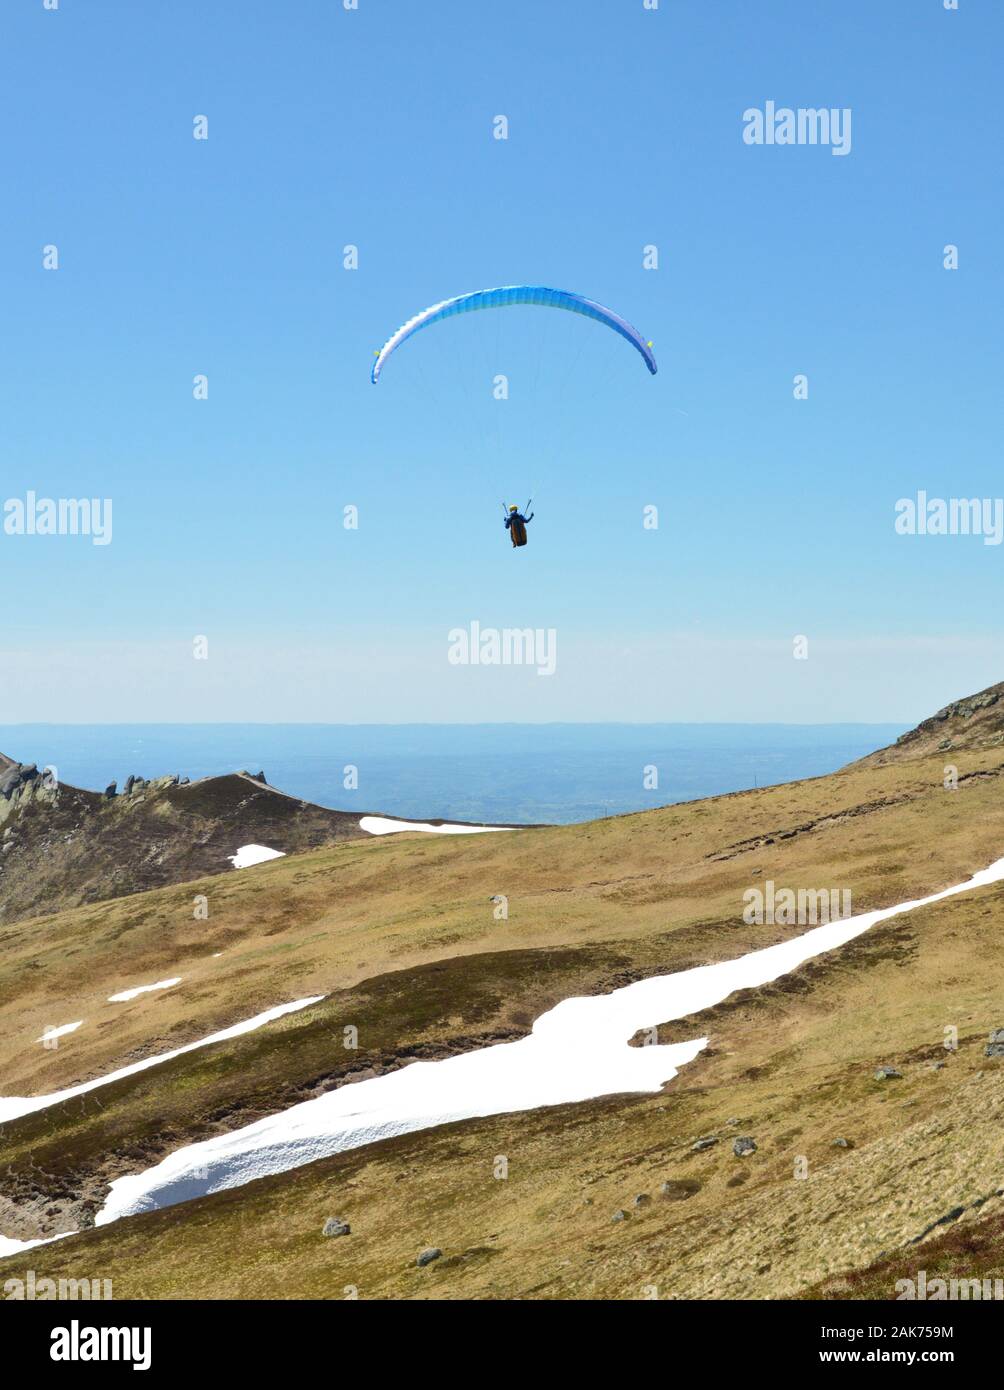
<point x="249" y="855"/>
<point x="13" y="1107"/>
<point x="577" y="1051"/>
<point x="385" y="825"/>
<point x="128" y="994"/>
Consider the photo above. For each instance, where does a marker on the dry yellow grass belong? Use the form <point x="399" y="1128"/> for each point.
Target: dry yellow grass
<point x="332" y="917"/>
<point x="793" y="1062"/>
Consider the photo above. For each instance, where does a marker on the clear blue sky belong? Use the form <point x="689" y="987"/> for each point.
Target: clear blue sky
<point x="374" y="127"/>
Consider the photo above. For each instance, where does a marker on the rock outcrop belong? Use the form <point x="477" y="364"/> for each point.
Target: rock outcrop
<point x="975" y="723"/>
<point x="62" y="846"/>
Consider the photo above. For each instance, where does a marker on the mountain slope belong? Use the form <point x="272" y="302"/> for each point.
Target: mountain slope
<point x="61" y="846"/>
<point x="403" y="938"/>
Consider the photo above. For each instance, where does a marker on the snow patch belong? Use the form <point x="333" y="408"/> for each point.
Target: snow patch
<point x="14" y="1247"/>
<point x="385" y="825"/>
<point x="128" y="994"/>
<point x="13" y="1107"/>
<point x="248" y="855"/>
<point x="51" y="1033"/>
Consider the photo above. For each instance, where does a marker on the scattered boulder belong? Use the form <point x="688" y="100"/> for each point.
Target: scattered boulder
<point x="643" y="1200"/>
<point x="619" y="1216"/>
<point x="840" y="1144"/>
<point x="995" y="1047"/>
<point x="335" y="1226"/>
<point x="743" y="1146"/>
<point x="111" y="791"/>
<point x="679" y="1189"/>
<point x="427" y="1256"/>
<point x="888" y="1074"/>
<point x="708" y="1142"/>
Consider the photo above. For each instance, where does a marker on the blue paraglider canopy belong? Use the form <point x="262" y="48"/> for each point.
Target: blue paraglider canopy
<point x="515" y="294"/>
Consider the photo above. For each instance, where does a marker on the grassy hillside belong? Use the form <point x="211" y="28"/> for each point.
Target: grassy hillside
<point x="402" y="937"/>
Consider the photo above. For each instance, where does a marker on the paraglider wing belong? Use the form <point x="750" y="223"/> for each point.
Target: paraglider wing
<point x="515" y="294"/>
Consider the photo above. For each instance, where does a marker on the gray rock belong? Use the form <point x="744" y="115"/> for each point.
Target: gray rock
<point x="335" y="1226"/>
<point x="427" y="1256"/>
<point x="643" y="1200"/>
<point x="840" y="1144"/>
<point x="679" y="1189"/>
<point x="21" y="775"/>
<point x="995" y="1047"/>
<point x="619" y="1216"/>
<point x="888" y="1074"/>
<point x="111" y="790"/>
<point x="708" y="1142"/>
<point x="743" y="1146"/>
